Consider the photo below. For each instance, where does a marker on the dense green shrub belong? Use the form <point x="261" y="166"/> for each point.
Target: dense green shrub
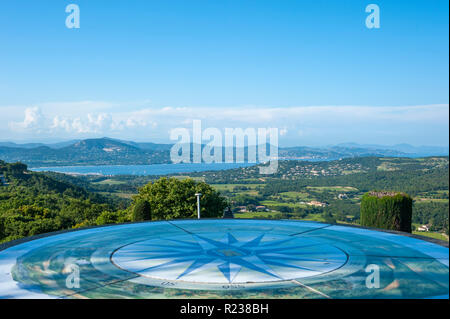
<point x="171" y="198"/>
<point x="32" y="203"/>
<point x="386" y="210"/>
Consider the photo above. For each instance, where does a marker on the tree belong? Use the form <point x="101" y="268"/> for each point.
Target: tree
<point x="106" y="218"/>
<point x="17" y="167"/>
<point x="141" y="211"/>
<point x="387" y="210"/>
<point x="171" y="198"/>
<point x="2" y="228"/>
<point x="329" y="218"/>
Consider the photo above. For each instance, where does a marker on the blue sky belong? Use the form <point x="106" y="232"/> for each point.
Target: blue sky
<point x="135" y="69"/>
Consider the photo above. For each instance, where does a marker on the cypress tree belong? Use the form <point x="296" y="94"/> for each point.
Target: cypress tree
<point x="141" y="211"/>
<point x="386" y="210"/>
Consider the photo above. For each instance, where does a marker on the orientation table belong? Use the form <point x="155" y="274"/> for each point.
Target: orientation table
<point x="225" y="258"/>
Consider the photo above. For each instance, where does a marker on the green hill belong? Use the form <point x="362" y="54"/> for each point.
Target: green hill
<point x="33" y="203"/>
<point x="102" y="151"/>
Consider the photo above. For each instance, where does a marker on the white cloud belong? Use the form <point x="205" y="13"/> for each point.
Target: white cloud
<point x="298" y="124"/>
<point x="60" y="123"/>
<point x="32" y="120"/>
<point x="91" y="123"/>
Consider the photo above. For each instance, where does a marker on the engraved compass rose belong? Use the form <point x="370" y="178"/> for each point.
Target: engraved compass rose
<point x="234" y="258"/>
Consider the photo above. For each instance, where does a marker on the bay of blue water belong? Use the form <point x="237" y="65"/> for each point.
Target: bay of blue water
<point x="154" y="169"/>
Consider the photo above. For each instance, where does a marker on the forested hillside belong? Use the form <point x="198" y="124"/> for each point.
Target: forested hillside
<point x="331" y="190"/>
<point x="32" y="203"/>
<point x="327" y="191"/>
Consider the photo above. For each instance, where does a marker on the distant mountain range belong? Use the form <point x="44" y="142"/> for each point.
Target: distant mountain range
<point x="34" y="145"/>
<point x="107" y="151"/>
<point x="404" y="148"/>
<point x="99" y="141"/>
<point x="102" y="151"/>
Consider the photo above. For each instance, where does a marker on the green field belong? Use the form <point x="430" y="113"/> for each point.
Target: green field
<point x="386" y="167"/>
<point x="436" y="200"/>
<point x="230" y="187"/>
<point x="315" y="218"/>
<point x="257" y="215"/>
<point x="342" y="189"/>
<point x="121" y="195"/>
<point x="110" y="181"/>
<point x="275" y="204"/>
<point x="431" y="235"/>
<point x="300" y="196"/>
<point x="197" y="179"/>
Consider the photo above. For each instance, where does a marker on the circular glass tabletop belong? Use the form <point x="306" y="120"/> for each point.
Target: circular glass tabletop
<point x="225" y="259"/>
<point x="229" y="257"/>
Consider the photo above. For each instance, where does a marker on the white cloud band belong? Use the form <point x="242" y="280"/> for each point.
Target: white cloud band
<point x="304" y="123"/>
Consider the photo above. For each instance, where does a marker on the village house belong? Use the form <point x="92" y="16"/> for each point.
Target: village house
<point x="318" y="204"/>
<point x="242" y="209"/>
<point x="342" y="196"/>
<point x="423" y="228"/>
